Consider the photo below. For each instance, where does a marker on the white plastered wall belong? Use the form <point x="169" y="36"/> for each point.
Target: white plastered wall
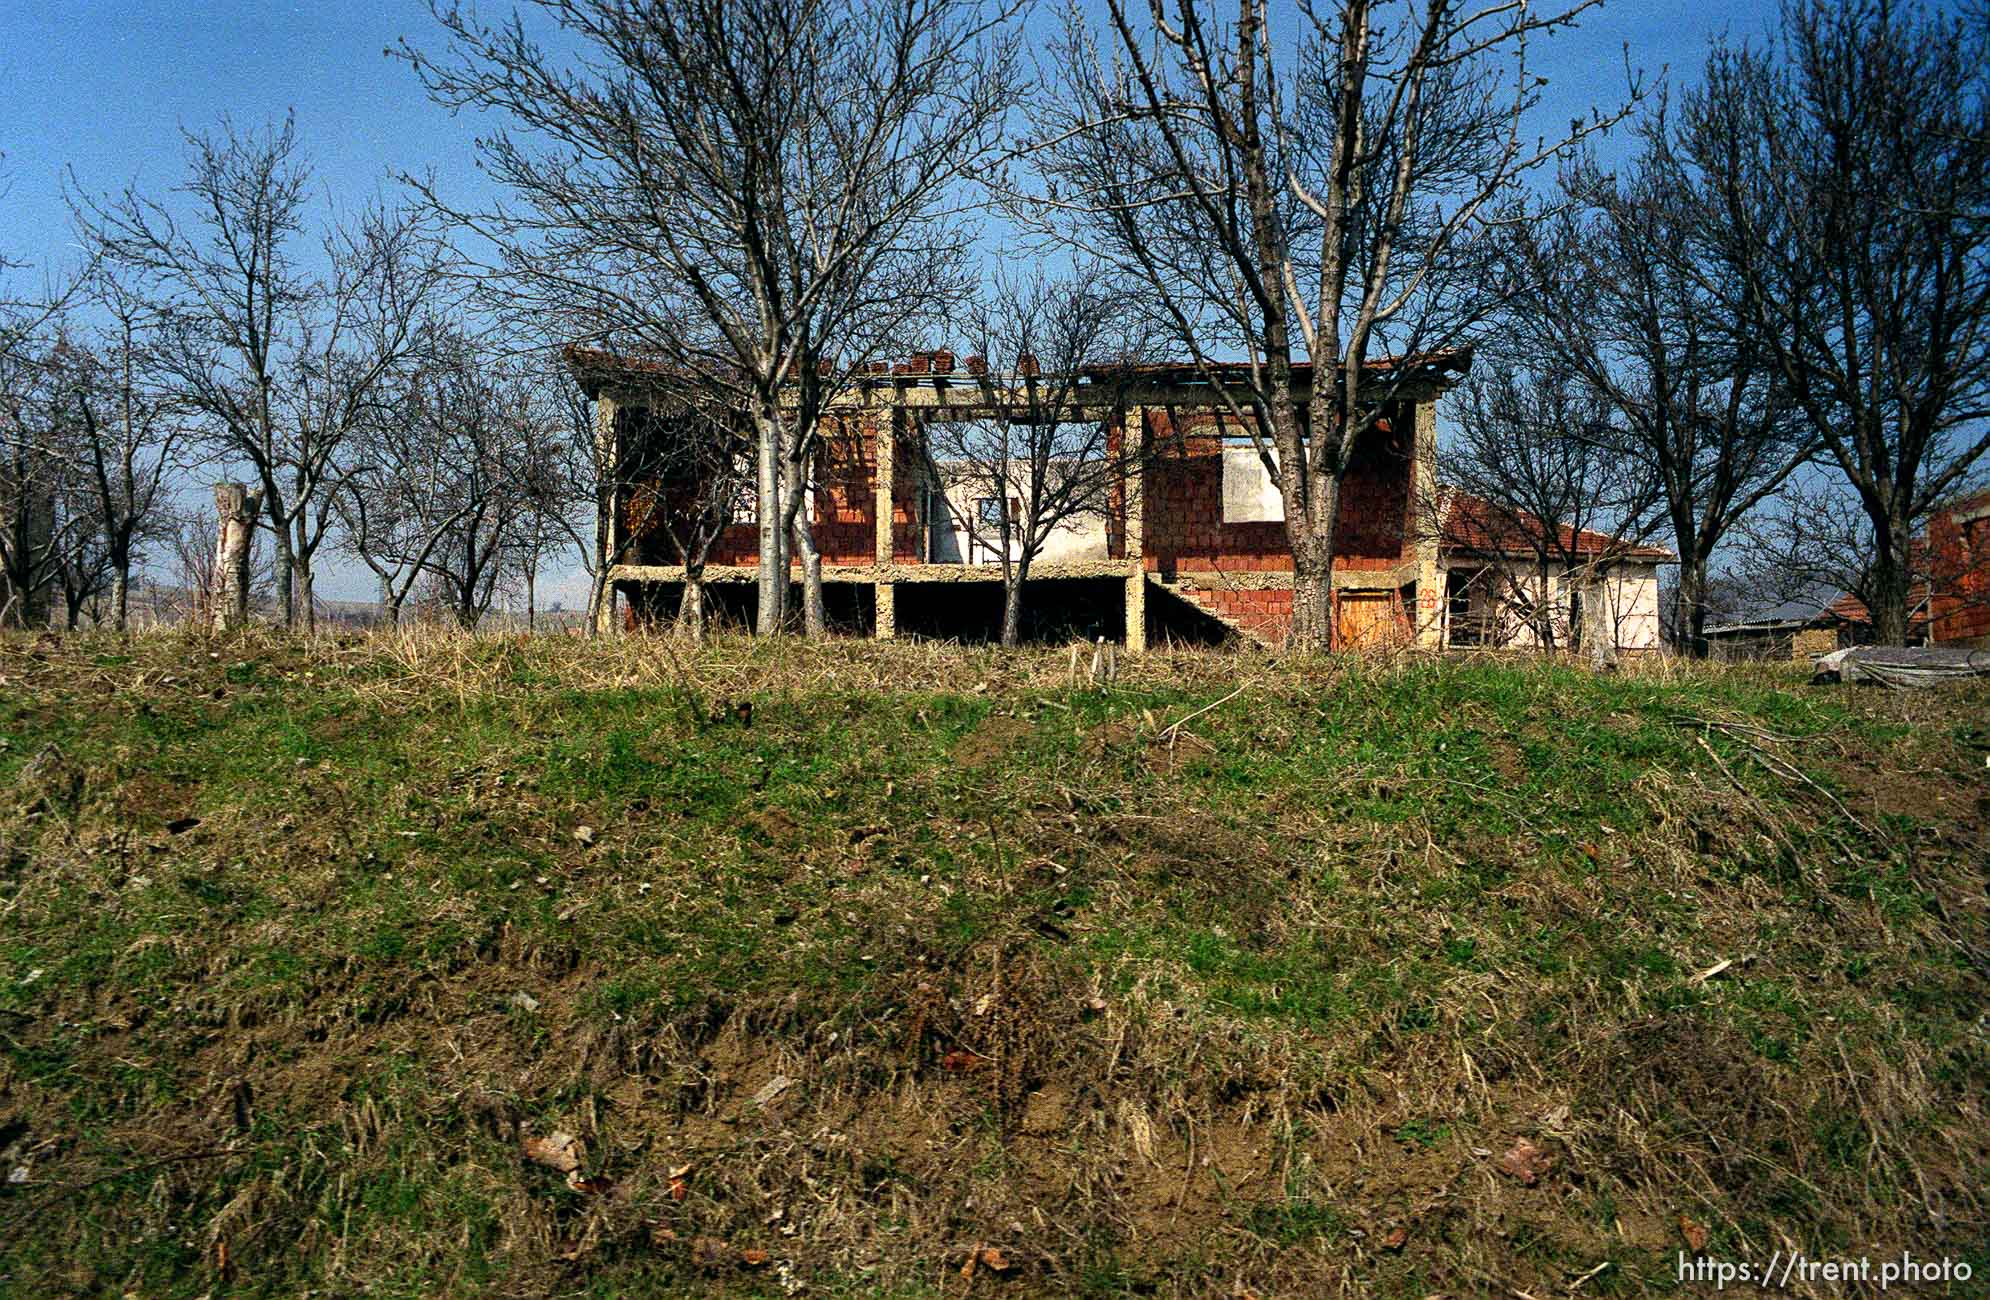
<point x="1624" y="599"/>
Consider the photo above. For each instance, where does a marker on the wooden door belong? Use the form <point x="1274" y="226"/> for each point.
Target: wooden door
<point x="1370" y="620"/>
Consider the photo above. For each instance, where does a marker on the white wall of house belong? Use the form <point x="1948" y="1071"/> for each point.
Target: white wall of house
<point x="1079" y="538"/>
<point x="1623" y="600"/>
<point x="1249" y="495"/>
<point x="1631" y="595"/>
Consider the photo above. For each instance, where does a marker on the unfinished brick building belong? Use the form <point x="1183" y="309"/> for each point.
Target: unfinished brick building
<point x="1958" y="548"/>
<point x="1189" y="545"/>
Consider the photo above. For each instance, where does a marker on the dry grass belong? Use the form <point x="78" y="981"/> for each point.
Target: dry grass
<point x="1238" y="975"/>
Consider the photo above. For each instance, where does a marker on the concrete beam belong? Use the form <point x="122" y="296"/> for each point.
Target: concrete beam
<point x="1281" y="579"/>
<point x="885" y="573"/>
<point x="962" y="397"/>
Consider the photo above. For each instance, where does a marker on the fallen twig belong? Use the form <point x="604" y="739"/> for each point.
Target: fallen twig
<point x="1169" y="731"/>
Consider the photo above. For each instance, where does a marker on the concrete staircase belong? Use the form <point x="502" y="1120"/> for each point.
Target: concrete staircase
<point x="1263" y="632"/>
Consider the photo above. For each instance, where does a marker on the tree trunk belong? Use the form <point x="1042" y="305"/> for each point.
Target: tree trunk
<point x="285" y="576"/>
<point x="598" y="595"/>
<point x="794" y="510"/>
<point x="1578" y="610"/>
<point x="237" y="507"/>
<point x="690" y="622"/>
<point x="1012" y="606"/>
<point x="773" y="580"/>
<point x="815" y="613"/>
<point x="597" y="578"/>
<point x="1310" y="533"/>
<point x="531" y="603"/>
<point x="1888" y="589"/>
<point x="1545" y="636"/>
<point x="1312" y="598"/>
<point x="1689" y="609"/>
<point x="307" y="595"/>
<point x="121" y="596"/>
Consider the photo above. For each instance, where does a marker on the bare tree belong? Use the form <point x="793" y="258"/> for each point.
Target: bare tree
<point x="38" y="521"/>
<point x="583" y="480"/>
<point x="693" y="462"/>
<point x="445" y="477"/>
<point x="131" y="435"/>
<point x="1849" y="166"/>
<point x="83" y="569"/>
<point x="33" y="471"/>
<point x="27" y="512"/>
<point x="1812" y="541"/>
<point x="25" y="316"/>
<point x="279" y="365"/>
<point x="387" y="276"/>
<point x="759" y="192"/>
<point x="551" y="509"/>
<point x="537" y="535"/>
<point x="1617" y="289"/>
<point x="1045" y="466"/>
<point x="398" y="499"/>
<point x="1535" y="460"/>
<point x="1307" y="203"/>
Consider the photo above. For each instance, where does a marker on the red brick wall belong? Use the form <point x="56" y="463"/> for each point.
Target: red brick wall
<point x="907" y="470"/>
<point x="1185" y="529"/>
<point x="1115" y="491"/>
<point x="1959" y="563"/>
<point x="844" y="504"/>
<point x="1267" y="614"/>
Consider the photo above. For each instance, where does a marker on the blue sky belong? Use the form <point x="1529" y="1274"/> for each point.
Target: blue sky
<point x="101" y="88"/>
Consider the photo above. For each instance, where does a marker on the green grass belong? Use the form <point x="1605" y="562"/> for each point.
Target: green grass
<point x="1143" y="1005"/>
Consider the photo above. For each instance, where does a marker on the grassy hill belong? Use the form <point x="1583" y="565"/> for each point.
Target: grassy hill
<point x="427" y="965"/>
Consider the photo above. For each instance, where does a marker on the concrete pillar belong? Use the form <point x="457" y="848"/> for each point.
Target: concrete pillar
<point x="1426" y="526"/>
<point x="608" y="500"/>
<point x="886" y="423"/>
<point x="1134" y="444"/>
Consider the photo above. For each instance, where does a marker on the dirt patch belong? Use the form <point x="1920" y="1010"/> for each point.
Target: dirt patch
<point x="151" y="801"/>
<point x="1158" y="749"/>
<point x="992" y="741"/>
<point x="1507" y="759"/>
<point x="780" y="827"/>
<point x="1931" y="795"/>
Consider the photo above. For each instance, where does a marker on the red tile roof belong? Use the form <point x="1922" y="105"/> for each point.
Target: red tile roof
<point x="1850" y="609"/>
<point x="1474" y="524"/>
